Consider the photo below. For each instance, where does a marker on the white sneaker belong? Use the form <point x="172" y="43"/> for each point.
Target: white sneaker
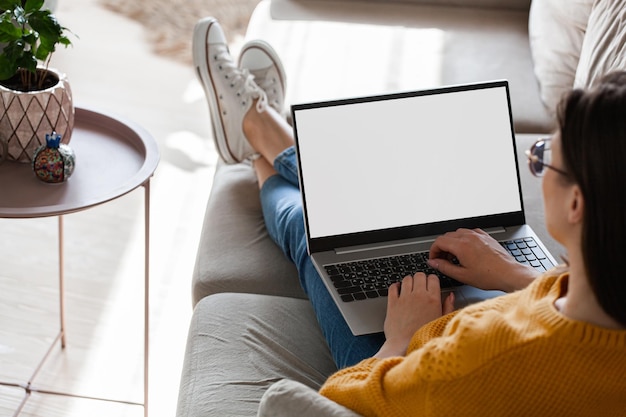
<point x="260" y="59"/>
<point x="230" y="91"/>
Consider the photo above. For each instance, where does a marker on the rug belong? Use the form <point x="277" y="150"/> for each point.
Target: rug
<point x="169" y="23"/>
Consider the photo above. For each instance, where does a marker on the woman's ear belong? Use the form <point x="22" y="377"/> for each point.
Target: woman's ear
<point x="576" y="206"/>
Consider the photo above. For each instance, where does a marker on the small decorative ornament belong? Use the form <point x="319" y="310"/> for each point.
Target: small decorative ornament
<point x="54" y="161"/>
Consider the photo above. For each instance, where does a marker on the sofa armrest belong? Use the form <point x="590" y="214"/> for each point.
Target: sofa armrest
<point x="235" y="253"/>
<point x="287" y="398"/>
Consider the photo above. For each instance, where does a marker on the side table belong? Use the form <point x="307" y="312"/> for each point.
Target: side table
<point x="113" y="158"/>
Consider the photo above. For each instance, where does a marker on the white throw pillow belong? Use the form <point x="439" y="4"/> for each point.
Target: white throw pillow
<point x="556" y="31"/>
<point x="604" y="47"/>
<point x="287" y="398"/>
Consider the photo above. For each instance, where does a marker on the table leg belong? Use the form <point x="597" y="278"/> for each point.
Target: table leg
<point x="61" y="283"/>
<point x="146" y="296"/>
<point x="28" y="387"/>
<point x="22" y="404"/>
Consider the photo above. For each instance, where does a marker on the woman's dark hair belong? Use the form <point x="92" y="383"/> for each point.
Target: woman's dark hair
<point x="593" y="136"/>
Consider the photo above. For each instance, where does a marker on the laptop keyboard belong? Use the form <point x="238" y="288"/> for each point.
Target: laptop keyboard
<point x="371" y="278"/>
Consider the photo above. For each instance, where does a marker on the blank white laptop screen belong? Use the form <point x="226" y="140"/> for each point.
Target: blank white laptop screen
<point x="407" y="160"/>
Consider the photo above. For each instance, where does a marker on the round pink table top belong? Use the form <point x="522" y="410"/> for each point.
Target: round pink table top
<point x="113" y="157"/>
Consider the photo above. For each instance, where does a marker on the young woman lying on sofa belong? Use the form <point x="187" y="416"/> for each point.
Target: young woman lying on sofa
<point x="556" y="344"/>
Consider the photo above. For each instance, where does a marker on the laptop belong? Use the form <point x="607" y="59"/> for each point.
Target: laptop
<point x="382" y="176"/>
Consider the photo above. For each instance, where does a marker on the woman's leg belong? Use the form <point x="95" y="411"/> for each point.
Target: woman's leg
<point x="271" y="136"/>
<point x="282" y="209"/>
<point x="267" y="132"/>
<point x="247" y="124"/>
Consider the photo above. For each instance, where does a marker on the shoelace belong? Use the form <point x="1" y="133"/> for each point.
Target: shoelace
<point x="241" y="81"/>
<point x="269" y="86"/>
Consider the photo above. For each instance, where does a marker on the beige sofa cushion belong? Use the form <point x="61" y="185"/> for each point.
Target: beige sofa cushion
<point x="604" y="47"/>
<point x="288" y="398"/>
<point x="235" y="248"/>
<point x="556" y="29"/>
<point x="239" y="345"/>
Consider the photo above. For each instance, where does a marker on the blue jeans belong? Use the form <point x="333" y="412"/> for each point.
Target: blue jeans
<point x="282" y="209"/>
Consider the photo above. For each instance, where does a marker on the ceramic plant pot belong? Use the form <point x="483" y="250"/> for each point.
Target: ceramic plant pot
<point x="26" y="116"/>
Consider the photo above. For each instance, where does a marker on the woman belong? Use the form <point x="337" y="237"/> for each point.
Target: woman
<point x="556" y="346"/>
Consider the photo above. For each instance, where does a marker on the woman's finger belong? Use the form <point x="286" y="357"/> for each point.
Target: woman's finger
<point x="448" y="304"/>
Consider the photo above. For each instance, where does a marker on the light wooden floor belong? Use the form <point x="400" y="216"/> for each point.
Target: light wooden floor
<point x="111" y="68"/>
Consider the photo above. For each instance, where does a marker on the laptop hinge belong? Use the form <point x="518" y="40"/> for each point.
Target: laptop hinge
<point x="400" y="243"/>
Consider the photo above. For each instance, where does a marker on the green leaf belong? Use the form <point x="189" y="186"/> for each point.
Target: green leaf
<point x="27" y="61"/>
<point x="9" y="4"/>
<point x="44" y="49"/>
<point x="9" y="32"/>
<point x="32" y="5"/>
<point x="14" y="50"/>
<point x="64" y="40"/>
<point x="46" y="24"/>
<point x="6" y="15"/>
<point x="7" y="68"/>
<point x="30" y="38"/>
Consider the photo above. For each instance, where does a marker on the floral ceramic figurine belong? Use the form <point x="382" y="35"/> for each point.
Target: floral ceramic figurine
<point x="54" y="161"/>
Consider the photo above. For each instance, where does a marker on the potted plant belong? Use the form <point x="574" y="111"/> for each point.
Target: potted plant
<point x="34" y="99"/>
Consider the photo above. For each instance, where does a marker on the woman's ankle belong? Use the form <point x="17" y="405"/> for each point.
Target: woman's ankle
<point x="267" y="132"/>
<point x="252" y="126"/>
<point x="263" y="170"/>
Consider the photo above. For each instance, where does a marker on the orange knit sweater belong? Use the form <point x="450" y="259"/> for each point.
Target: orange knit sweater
<point x="515" y="355"/>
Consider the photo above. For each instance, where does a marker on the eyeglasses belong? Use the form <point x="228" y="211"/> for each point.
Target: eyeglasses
<point x="540" y="157"/>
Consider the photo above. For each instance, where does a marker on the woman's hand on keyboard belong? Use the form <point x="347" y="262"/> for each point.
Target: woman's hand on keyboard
<point x="410" y="305"/>
<point x="475" y="258"/>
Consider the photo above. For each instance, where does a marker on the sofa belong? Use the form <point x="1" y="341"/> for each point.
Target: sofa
<point x="254" y="346"/>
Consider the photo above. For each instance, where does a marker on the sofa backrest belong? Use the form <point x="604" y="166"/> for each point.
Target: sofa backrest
<point x="492" y="4"/>
<point x="604" y="47"/>
<point x="574" y="43"/>
<point x="556" y="31"/>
